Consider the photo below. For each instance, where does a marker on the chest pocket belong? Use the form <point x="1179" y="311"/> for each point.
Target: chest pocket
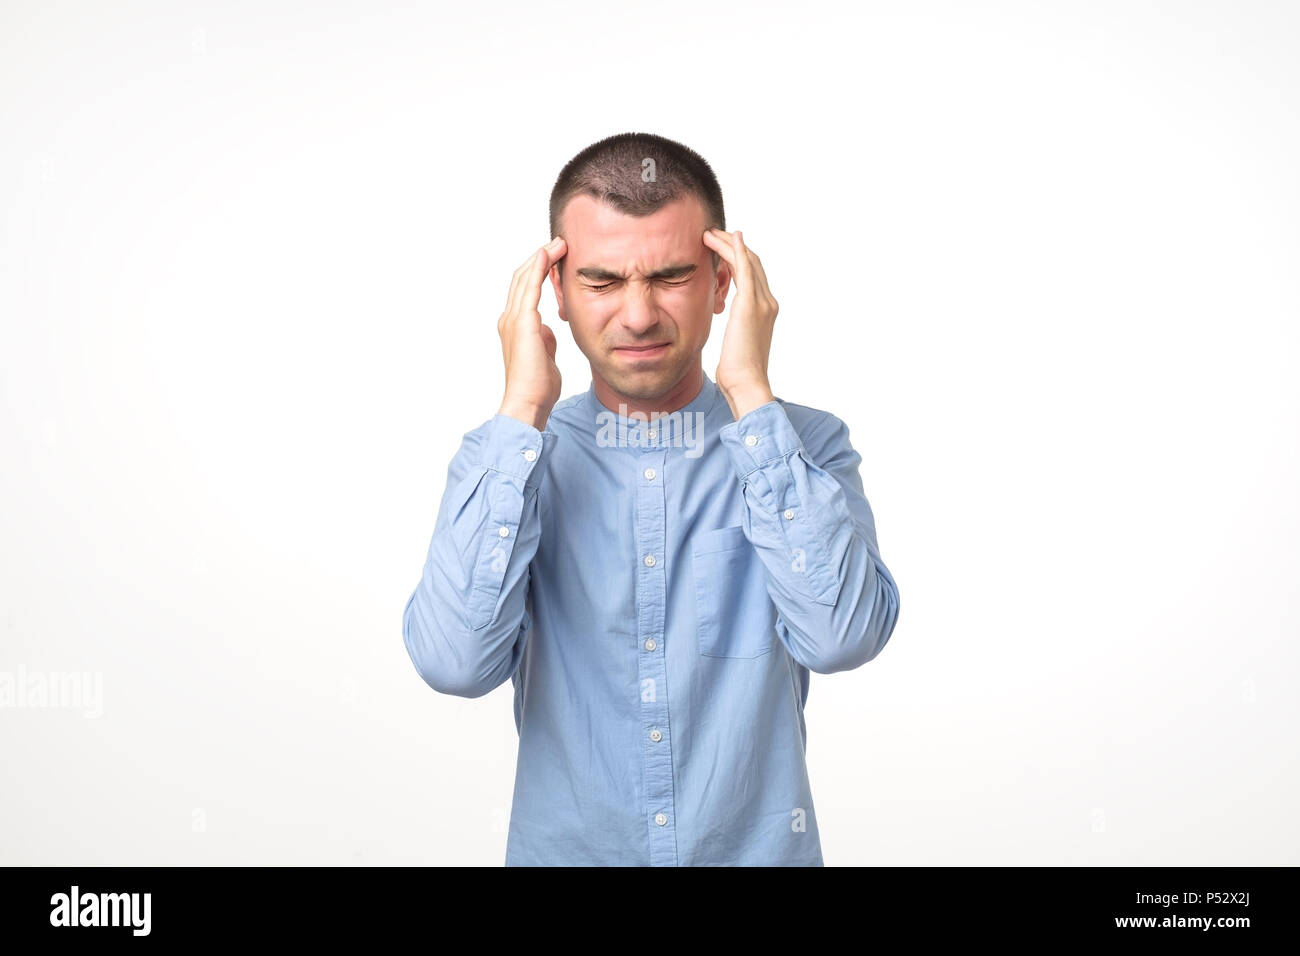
<point x="735" y="616"/>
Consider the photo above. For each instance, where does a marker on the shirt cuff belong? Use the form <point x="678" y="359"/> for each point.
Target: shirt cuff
<point x="515" y="448"/>
<point x="759" y="437"/>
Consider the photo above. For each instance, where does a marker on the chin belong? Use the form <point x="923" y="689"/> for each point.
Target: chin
<point x="645" y="385"/>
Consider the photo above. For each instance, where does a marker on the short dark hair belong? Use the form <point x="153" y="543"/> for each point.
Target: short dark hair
<point x="611" y="171"/>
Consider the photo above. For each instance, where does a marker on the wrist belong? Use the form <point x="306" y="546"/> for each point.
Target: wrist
<point x="527" y="413"/>
<point x="743" y="399"/>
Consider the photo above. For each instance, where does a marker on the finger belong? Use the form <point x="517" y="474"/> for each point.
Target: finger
<point x="754" y="275"/>
<point x="524" y="276"/>
<point x="758" y="275"/>
<point x="721" y="242"/>
<point x="736" y="254"/>
<point x="531" y="290"/>
<point x="514" y="282"/>
<point x="520" y="282"/>
<point x="741" y="265"/>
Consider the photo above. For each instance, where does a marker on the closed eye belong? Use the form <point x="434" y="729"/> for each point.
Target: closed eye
<point x="602" y="288"/>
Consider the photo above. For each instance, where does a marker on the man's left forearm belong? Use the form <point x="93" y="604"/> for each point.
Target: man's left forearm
<point x="812" y="527"/>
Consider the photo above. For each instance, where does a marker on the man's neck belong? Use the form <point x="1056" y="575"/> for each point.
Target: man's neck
<point x="679" y="396"/>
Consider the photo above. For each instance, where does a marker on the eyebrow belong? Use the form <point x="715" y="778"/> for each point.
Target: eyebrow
<point x="599" y="274"/>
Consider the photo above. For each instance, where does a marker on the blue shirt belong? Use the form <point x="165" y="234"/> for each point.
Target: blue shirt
<point x="658" y="593"/>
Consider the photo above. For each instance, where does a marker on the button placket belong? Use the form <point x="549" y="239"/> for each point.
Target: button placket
<point x="652" y="670"/>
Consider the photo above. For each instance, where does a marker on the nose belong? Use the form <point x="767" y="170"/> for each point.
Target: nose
<point x="639" y="312"/>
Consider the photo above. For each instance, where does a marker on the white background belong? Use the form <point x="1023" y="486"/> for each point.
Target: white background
<point x="1041" y="257"/>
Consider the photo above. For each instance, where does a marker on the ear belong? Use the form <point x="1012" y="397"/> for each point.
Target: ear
<point x="723" y="285"/>
<point x="559" y="291"/>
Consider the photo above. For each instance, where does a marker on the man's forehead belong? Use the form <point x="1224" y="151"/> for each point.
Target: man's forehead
<point x="594" y="228"/>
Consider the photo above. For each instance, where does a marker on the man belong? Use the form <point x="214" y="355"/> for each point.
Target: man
<point x="660" y="562"/>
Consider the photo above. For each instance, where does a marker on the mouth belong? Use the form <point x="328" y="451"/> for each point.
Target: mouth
<point x="637" y="352"/>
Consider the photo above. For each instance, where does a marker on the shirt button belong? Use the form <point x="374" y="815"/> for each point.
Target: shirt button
<point x="656" y="736"/>
<point x="649" y="474"/>
<point x="649" y="560"/>
<point x="503" y="531"/>
<point x="660" y="819"/>
<point x="751" y="440"/>
<point x="650" y="644"/>
<point x="653" y="433"/>
<point x="789" y="515"/>
<point x="530" y="454"/>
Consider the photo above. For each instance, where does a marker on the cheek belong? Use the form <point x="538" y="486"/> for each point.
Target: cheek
<point x="702" y="300"/>
<point x="684" y="303"/>
<point x="695" y="318"/>
<point x="585" y="326"/>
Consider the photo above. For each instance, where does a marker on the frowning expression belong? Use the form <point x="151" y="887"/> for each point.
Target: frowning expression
<point x="639" y="293"/>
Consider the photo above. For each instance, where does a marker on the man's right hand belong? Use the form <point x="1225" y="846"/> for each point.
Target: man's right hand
<point x="527" y="345"/>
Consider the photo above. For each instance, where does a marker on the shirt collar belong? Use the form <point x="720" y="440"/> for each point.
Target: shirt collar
<point x="673" y="429"/>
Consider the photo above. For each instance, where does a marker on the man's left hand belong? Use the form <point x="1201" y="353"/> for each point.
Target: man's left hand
<point x="747" y="341"/>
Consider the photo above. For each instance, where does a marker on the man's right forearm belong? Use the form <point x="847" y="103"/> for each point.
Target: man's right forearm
<point x="466" y="622"/>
